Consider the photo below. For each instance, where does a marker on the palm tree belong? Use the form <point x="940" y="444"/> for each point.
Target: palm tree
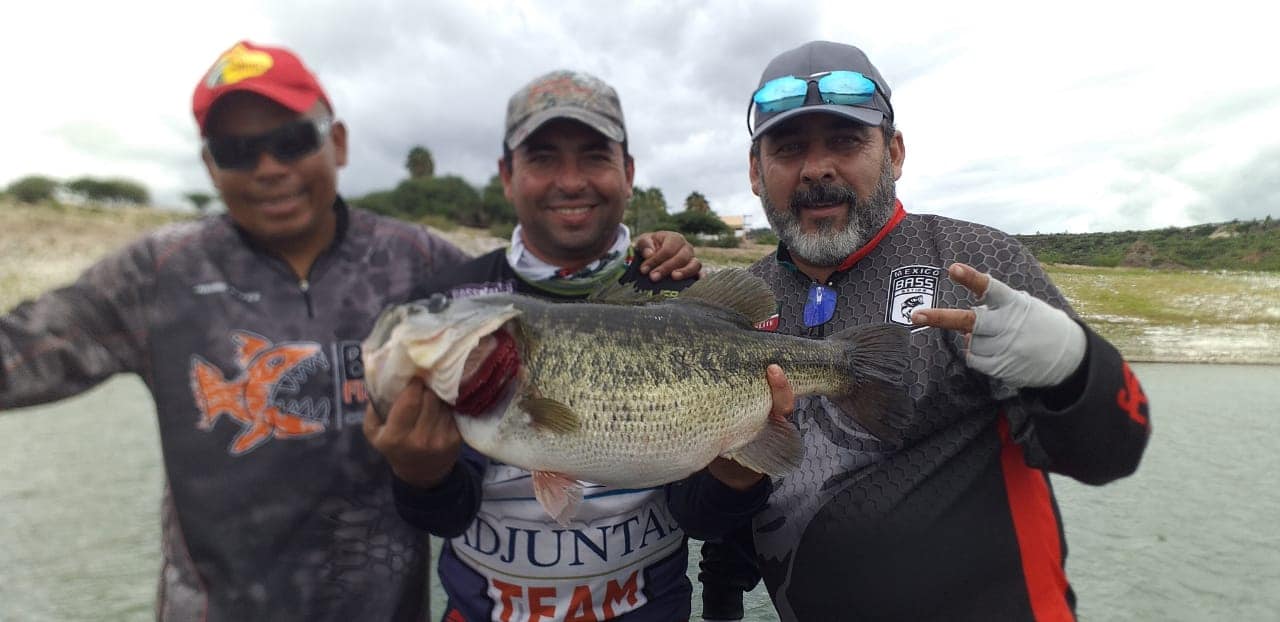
<point x="420" y="163"/>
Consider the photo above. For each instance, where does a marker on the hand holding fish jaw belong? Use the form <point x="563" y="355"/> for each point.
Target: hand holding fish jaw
<point x="666" y="252"/>
<point x="1012" y="336"/>
<point x="419" y="437"/>
<point x="735" y="475"/>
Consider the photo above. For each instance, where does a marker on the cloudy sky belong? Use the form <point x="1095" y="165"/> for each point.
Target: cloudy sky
<point x="1079" y="116"/>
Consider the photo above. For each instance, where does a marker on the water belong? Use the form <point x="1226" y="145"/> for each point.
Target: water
<point x="1191" y="537"/>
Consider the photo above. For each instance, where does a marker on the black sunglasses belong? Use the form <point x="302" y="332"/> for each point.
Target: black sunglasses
<point x="286" y="143"/>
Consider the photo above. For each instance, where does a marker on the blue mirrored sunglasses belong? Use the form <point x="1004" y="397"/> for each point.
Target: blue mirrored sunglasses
<point x="847" y="88"/>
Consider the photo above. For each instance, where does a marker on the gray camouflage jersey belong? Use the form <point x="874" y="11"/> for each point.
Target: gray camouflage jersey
<point x="276" y="507"/>
<point x="959" y="522"/>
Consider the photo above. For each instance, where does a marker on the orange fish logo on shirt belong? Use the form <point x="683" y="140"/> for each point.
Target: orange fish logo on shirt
<point x="249" y="398"/>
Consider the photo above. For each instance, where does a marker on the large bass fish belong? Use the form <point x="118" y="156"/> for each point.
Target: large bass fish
<point x="626" y="393"/>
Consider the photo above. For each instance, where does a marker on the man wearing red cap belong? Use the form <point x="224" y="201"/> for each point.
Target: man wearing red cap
<point x="246" y="328"/>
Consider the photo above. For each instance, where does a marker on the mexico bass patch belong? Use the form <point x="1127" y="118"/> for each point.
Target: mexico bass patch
<point x="911" y="288"/>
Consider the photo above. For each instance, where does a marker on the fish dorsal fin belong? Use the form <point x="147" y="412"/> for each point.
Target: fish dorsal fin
<point x="736" y="290"/>
<point x="615" y="293"/>
<point x="548" y="414"/>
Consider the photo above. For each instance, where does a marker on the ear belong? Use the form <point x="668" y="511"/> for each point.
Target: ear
<point x="897" y="153"/>
<point x="504" y="173"/>
<point x="630" y="166"/>
<point x="753" y="172"/>
<point x="338" y="134"/>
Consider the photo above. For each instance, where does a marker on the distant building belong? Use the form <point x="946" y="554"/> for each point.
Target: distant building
<point x="738" y="224"/>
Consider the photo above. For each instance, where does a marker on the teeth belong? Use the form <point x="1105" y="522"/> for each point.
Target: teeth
<point x="570" y="210"/>
<point x="281" y="200"/>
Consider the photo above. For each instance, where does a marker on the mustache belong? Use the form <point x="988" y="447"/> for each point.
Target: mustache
<point x="817" y="194"/>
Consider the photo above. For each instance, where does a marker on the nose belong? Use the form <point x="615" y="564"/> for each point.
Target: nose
<point x="819" y="167"/>
<point x="570" y="180"/>
<point x="268" y="167"/>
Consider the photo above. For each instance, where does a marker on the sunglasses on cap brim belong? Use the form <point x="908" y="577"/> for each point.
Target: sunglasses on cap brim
<point x="846" y="88"/>
<point x="287" y="143"/>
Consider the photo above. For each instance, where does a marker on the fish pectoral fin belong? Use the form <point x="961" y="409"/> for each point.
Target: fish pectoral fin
<point x="548" y="414"/>
<point x="559" y="495"/>
<point x="776" y="450"/>
<point x="735" y="290"/>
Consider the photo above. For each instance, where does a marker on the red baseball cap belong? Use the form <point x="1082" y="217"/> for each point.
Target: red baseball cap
<point x="272" y="72"/>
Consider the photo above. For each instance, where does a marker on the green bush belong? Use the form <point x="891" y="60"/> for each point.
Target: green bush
<point x="727" y="240"/>
<point x="377" y="202"/>
<point x="700" y="223"/>
<point x="763" y="235"/>
<point x="449" y="196"/>
<point x="502" y="230"/>
<point x="33" y="189"/>
<point x="113" y="190"/>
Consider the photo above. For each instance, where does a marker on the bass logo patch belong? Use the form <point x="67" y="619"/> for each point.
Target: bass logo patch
<point x="911" y="288"/>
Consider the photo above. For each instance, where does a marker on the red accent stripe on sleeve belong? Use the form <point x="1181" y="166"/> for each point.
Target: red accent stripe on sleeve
<point x="1037" y="530"/>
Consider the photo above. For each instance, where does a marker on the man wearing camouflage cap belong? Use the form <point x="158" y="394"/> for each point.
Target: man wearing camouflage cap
<point x="566" y="167"/>
<point x="957" y="521"/>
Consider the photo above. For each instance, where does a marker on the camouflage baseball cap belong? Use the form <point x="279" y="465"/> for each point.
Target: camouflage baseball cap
<point x="564" y="95"/>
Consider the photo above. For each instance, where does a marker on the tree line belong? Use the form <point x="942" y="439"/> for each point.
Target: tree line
<point x="40" y="189"/>
<point x="1235" y="245"/>
<point x="450" y="199"/>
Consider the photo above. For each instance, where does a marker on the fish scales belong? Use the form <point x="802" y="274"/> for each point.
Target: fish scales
<point x="654" y="383"/>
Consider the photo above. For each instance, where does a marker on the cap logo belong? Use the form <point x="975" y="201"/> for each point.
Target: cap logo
<point x="550" y="91"/>
<point x="238" y="63"/>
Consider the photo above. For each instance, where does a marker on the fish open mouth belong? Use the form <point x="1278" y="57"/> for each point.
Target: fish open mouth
<point x="489" y="367"/>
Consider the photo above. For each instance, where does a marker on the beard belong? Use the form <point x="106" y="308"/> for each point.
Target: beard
<point x="830" y="245"/>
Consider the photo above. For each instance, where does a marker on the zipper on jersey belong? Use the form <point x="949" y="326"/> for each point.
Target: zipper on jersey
<point x="305" y="287"/>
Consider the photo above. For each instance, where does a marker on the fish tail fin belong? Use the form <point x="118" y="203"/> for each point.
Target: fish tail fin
<point x="559" y="495"/>
<point x="214" y="395"/>
<point x="877" y="398"/>
<point x="776" y="450"/>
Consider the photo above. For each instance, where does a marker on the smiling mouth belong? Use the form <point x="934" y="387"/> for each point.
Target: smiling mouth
<point x="571" y="211"/>
<point x="282" y="201"/>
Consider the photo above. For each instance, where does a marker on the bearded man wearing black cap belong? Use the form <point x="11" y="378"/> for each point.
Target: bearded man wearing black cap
<point x="958" y="522"/>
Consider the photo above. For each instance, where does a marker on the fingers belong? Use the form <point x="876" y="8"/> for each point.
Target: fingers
<point x="784" y="399"/>
<point x="434" y="426"/>
<point x="404" y="411"/>
<point x="950" y="319"/>
<point x="667" y="252"/>
<point x="971" y="279"/>
<point x="372" y="424"/>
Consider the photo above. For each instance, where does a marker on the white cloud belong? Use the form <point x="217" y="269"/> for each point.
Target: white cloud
<point x="1079" y="116"/>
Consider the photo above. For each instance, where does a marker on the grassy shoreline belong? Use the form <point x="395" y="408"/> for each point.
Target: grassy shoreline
<point x="1151" y="315"/>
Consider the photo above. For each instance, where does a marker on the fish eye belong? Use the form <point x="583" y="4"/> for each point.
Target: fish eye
<point x="437" y="302"/>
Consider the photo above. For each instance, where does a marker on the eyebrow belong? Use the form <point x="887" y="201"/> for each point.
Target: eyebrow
<point x="603" y="144"/>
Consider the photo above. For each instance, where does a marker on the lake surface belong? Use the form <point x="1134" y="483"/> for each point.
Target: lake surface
<point x="1194" y="535"/>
